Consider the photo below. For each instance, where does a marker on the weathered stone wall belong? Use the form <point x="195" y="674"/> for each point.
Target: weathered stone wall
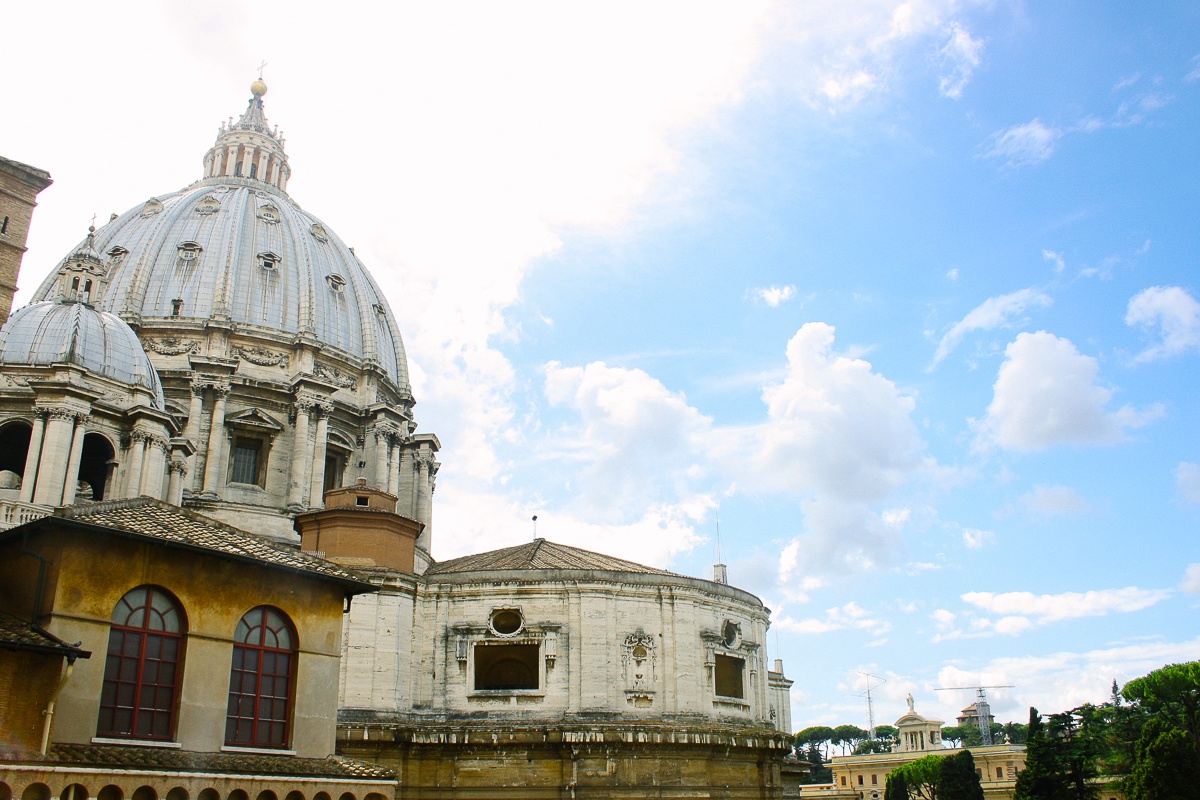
<point x="532" y="762"/>
<point x="586" y="627"/>
<point x="19" y="187"/>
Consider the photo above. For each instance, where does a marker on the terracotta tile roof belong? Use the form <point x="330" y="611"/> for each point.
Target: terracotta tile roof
<point x="170" y="524"/>
<point x="541" y="554"/>
<point x="16" y="634"/>
<point x="157" y="758"/>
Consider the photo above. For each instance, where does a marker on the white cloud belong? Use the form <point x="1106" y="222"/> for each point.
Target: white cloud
<point x="634" y="440"/>
<point x="1063" y="680"/>
<point x="1056" y="259"/>
<point x="839" y="437"/>
<point x="1046" y="394"/>
<point x="775" y="295"/>
<point x="976" y="539"/>
<point x="1046" y="608"/>
<point x="1187" y="481"/>
<point x="995" y="312"/>
<point x="848" y="616"/>
<point x="834" y="426"/>
<point x="1174" y="313"/>
<point x="844" y="53"/>
<point x="1194" y="72"/>
<point x="1052" y="501"/>
<point x="952" y="273"/>
<point x="961" y="55"/>
<point x="1025" y="144"/>
<point x="1191" y="579"/>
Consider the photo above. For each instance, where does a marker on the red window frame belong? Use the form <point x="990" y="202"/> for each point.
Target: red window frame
<point x="261" y="680"/>
<point x="142" y="668"/>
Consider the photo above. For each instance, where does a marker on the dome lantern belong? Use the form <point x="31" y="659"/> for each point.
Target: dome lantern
<point x="249" y="148"/>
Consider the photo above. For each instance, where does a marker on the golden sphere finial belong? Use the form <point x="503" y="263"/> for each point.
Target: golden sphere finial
<point x="258" y="88"/>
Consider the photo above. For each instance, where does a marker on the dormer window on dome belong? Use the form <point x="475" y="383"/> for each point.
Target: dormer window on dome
<point x="152" y="207"/>
<point x="318" y="233"/>
<point x="116" y="255"/>
<point x="189" y="254"/>
<point x="209" y="205"/>
<point x="269" y="260"/>
<point x="336" y="282"/>
<point x="268" y="214"/>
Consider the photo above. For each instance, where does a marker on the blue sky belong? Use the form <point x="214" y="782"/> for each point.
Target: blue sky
<point x="903" y="293"/>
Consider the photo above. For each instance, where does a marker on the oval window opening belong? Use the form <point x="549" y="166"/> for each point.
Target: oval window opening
<point x="506" y="622"/>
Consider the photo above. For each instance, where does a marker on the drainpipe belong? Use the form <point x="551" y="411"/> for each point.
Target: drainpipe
<point x="49" y="712"/>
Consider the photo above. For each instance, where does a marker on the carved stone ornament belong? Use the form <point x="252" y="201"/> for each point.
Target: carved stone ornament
<point x="173" y="346"/>
<point x="334" y="376"/>
<point x="209" y="205"/>
<point x="318" y="233"/>
<point x="268" y="213"/>
<point x="152" y="207"/>
<point x="640" y="660"/>
<point x="16" y="380"/>
<point x="261" y="356"/>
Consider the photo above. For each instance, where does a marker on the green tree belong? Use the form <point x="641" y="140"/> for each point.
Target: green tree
<point x="848" y="737"/>
<point x="959" y="780"/>
<point x="922" y="776"/>
<point x="818" y="772"/>
<point x="819" y="735"/>
<point x="1172" y="693"/>
<point x="1166" y="765"/>
<point x="1166" y="761"/>
<point x="1060" y="761"/>
<point x="895" y="787"/>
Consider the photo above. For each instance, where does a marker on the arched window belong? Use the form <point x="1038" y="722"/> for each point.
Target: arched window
<point x="145" y="649"/>
<point x="260" y="683"/>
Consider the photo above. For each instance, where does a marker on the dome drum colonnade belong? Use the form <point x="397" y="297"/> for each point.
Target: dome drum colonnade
<point x="282" y="369"/>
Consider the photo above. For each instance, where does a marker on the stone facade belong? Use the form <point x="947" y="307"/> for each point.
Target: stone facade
<point x="20" y="185"/>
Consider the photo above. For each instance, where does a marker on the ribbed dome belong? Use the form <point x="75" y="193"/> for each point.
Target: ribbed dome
<point x="49" y="333"/>
<point x="241" y="249"/>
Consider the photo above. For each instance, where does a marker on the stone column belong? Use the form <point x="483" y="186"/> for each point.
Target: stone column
<point x="154" y="467"/>
<point x="424" y="496"/>
<point x="216" y="441"/>
<point x="71" y="483"/>
<point x="133" y="476"/>
<point x="383" y="434"/>
<point x="316" y="489"/>
<point x="177" y="470"/>
<point x="53" y="460"/>
<point x="393" y="481"/>
<point x="110" y="470"/>
<point x="298" y="487"/>
<point x="192" y="431"/>
<point x="29" y="478"/>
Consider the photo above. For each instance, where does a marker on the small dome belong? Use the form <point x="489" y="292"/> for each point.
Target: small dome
<point x="49" y="333"/>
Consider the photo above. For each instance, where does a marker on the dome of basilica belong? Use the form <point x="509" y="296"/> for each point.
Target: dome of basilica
<point x="239" y="248"/>
<point x="47" y="333"/>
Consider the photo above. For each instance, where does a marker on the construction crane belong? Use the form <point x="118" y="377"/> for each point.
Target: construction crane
<point x="870" y="705"/>
<point x="983" y="711"/>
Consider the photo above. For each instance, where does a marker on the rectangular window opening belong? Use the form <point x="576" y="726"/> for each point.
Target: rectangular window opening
<point x="247" y="460"/>
<point x="729" y="676"/>
<point x="506" y="667"/>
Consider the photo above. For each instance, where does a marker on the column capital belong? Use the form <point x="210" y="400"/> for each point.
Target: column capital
<point x="177" y="465"/>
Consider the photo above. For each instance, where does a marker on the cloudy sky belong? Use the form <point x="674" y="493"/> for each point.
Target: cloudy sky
<point x="899" y="296"/>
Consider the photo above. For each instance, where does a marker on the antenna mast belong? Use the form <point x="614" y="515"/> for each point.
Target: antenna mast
<point x="983" y="711"/>
<point x="870" y="704"/>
